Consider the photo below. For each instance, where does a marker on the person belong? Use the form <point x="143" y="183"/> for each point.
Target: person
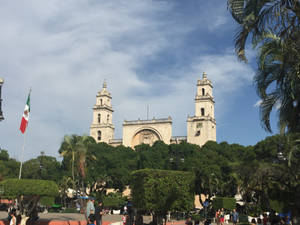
<point x="217" y="216"/>
<point x="265" y="219"/>
<point x="124" y="218"/>
<point x="188" y="221"/>
<point x="235" y="217"/>
<point x="78" y="207"/>
<point x="90" y="207"/>
<point x="99" y="213"/>
<point x="259" y="221"/>
<point x="91" y="218"/>
<point x="13" y="219"/>
<point x="11" y="210"/>
<point x="222" y="216"/>
<point x="207" y="222"/>
<point x="253" y="222"/>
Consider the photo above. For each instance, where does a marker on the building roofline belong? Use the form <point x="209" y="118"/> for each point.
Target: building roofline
<point x="134" y="122"/>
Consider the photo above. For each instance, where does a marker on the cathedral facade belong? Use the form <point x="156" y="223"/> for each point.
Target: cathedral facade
<point x="200" y="128"/>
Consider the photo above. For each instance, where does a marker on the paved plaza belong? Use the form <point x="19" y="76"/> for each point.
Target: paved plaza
<point x="67" y="216"/>
<point x="80" y="217"/>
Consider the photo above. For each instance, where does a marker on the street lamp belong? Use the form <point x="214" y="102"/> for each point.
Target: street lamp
<point x="1" y="114"/>
<point x="176" y="162"/>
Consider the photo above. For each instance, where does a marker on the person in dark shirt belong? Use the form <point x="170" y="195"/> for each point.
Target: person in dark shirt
<point x="189" y="221"/>
<point x="91" y="218"/>
<point x="99" y="213"/>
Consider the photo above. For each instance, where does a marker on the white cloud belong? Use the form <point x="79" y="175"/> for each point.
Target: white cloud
<point x="65" y="49"/>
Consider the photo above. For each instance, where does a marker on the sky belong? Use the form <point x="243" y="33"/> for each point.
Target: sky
<point x="151" y="53"/>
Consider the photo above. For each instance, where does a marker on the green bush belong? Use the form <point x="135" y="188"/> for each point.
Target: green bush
<point x="162" y="190"/>
<point x="27" y="187"/>
<point x="114" y="200"/>
<point x="47" y="201"/>
<point x="223" y="202"/>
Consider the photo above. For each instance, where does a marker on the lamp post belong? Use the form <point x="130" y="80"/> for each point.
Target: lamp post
<point x="175" y="163"/>
<point x="1" y="114"/>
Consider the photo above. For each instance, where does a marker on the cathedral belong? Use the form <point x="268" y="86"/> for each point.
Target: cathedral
<point x="200" y="128"/>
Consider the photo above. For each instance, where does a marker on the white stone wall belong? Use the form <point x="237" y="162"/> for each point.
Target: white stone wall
<point x="102" y="107"/>
<point x="163" y="129"/>
<point x="107" y="133"/>
<point x="208" y="106"/>
<point x="200" y="134"/>
<point x="202" y="127"/>
<point x="104" y="113"/>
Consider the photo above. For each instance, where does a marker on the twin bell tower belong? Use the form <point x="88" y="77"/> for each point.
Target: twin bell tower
<point x="200" y="128"/>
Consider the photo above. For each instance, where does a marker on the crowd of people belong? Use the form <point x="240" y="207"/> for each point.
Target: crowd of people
<point x="94" y="216"/>
<point x="265" y="219"/>
<point x="271" y="219"/>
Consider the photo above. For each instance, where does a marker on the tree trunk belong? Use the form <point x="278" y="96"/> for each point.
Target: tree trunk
<point x="158" y="218"/>
<point x="83" y="207"/>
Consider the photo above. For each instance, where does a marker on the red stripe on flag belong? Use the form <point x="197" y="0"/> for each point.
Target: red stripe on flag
<point x="23" y="125"/>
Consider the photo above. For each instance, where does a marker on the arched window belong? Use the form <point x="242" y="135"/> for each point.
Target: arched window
<point x="100" y="101"/>
<point x="203" y="91"/>
<point x="99" y="135"/>
<point x="99" y="118"/>
<point x="202" y="112"/>
<point x="107" y="119"/>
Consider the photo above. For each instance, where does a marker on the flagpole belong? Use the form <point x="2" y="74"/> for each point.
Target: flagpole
<point x="20" y="172"/>
<point x="26" y="111"/>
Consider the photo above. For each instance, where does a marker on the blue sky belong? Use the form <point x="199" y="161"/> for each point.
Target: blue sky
<point x="149" y="52"/>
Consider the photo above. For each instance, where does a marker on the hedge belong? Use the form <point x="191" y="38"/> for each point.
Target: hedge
<point x="162" y="190"/>
<point x="114" y="201"/>
<point x="28" y="187"/>
<point x="223" y="202"/>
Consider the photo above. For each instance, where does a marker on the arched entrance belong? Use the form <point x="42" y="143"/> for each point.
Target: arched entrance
<point x="145" y="136"/>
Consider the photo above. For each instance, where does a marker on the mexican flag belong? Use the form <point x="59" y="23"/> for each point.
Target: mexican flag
<point x="25" y="117"/>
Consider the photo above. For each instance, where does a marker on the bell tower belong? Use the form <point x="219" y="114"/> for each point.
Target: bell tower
<point x="202" y="127"/>
<point x="102" y="128"/>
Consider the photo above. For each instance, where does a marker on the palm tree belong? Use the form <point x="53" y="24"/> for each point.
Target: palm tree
<point x="257" y="17"/>
<point x="68" y="149"/>
<point x="75" y="148"/>
<point x="278" y="81"/>
<point x="274" y="27"/>
<point x="82" y="153"/>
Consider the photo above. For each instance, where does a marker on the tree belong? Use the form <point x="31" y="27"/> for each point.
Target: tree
<point x="43" y="167"/>
<point x="256" y="18"/>
<point x="4" y="155"/>
<point x="28" y="193"/>
<point x="114" y="164"/>
<point x="273" y="26"/>
<point x="8" y="166"/>
<point x="114" y="200"/>
<point x="74" y="149"/>
<point x="278" y="81"/>
<point x="159" y="191"/>
<point x="64" y="184"/>
<point x="270" y="181"/>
